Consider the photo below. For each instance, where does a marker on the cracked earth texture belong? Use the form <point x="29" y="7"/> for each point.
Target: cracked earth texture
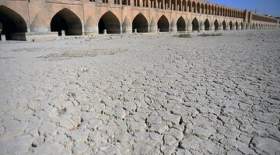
<point x="142" y="95"/>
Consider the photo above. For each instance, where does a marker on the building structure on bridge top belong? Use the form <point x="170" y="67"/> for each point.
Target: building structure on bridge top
<point x="25" y="19"/>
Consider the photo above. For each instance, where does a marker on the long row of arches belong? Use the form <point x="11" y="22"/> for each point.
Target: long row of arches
<point x="67" y="22"/>
<point x="112" y="25"/>
<point x="184" y="5"/>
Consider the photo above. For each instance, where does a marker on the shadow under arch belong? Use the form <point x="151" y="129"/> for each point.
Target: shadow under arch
<point x="110" y="23"/>
<point x="163" y="24"/>
<point x="68" y="21"/>
<point x="181" y="24"/>
<point x="230" y="25"/>
<point x="140" y="23"/>
<point x="224" y="25"/>
<point x="216" y="25"/>
<point x="242" y="25"/>
<point x="207" y="25"/>
<point x="195" y="25"/>
<point x="12" y="25"/>
<point x="236" y="25"/>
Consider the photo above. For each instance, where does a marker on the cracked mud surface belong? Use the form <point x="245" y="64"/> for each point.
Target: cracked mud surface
<point x="142" y="95"/>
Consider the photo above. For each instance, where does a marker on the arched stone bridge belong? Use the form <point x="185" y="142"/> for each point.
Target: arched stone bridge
<point x="21" y="18"/>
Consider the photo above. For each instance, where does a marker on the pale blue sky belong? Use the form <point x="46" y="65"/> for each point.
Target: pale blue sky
<point x="271" y="7"/>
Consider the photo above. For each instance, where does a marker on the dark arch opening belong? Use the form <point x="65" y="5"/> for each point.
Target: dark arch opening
<point x="110" y="23"/>
<point x="236" y="25"/>
<point x="173" y="4"/>
<point x="194" y="7"/>
<point x="195" y="25"/>
<point x="206" y="9"/>
<point x="230" y="25"/>
<point x="210" y="9"/>
<point x="242" y="26"/>
<point x="68" y="21"/>
<point x="181" y="24"/>
<point x="189" y="6"/>
<point x="207" y="25"/>
<point x="202" y="8"/>
<point x="184" y="5"/>
<point x="12" y="24"/>
<point x="179" y="3"/>
<point x="216" y="25"/>
<point x="140" y="23"/>
<point x="224" y="25"/>
<point x="198" y="8"/>
<point x="253" y="26"/>
<point x="163" y="24"/>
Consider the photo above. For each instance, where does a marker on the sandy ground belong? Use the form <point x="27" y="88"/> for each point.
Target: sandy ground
<point x="142" y="94"/>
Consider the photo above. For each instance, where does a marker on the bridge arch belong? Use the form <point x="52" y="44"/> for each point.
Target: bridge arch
<point x="13" y="24"/>
<point x="205" y="8"/>
<point x="242" y="25"/>
<point x="109" y="22"/>
<point x="209" y="9"/>
<point x="198" y="7"/>
<point x="236" y="25"/>
<point x="224" y="25"/>
<point x="68" y="21"/>
<point x="216" y="25"/>
<point x="181" y="24"/>
<point x="230" y="25"/>
<point x="247" y="26"/>
<point x="179" y="3"/>
<point x="223" y="11"/>
<point x="163" y="24"/>
<point x="140" y="23"/>
<point x="184" y="5"/>
<point x="216" y="10"/>
<point x="189" y="6"/>
<point x="194" y="9"/>
<point x="202" y="8"/>
<point x="212" y="9"/>
<point x="195" y="25"/>
<point x="207" y="25"/>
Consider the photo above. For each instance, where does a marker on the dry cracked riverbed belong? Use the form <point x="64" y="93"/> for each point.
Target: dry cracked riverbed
<point x="149" y="94"/>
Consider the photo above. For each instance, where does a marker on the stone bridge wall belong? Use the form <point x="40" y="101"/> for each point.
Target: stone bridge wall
<point x="90" y="16"/>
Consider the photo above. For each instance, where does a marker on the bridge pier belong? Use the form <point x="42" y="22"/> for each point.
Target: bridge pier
<point x="153" y="28"/>
<point x="173" y="27"/>
<point x="90" y="28"/>
<point x="127" y="29"/>
<point x="239" y="27"/>
<point x="220" y="28"/>
<point x="189" y="28"/>
<point x="227" y="27"/>
<point x="121" y="29"/>
<point x="202" y="27"/>
<point x="212" y="27"/>
<point x="2" y="36"/>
